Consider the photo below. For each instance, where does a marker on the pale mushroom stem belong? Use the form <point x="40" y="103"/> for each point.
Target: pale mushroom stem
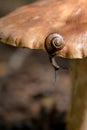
<point x="77" y="117"/>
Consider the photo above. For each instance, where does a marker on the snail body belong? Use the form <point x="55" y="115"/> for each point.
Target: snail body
<point x="53" y="43"/>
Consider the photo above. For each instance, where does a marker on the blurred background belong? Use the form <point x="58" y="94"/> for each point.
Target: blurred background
<point x="30" y="98"/>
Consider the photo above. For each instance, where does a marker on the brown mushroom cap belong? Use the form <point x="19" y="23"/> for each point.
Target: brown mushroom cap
<point x="29" y="26"/>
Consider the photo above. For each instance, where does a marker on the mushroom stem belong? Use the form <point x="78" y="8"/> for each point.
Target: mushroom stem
<point x="77" y="117"/>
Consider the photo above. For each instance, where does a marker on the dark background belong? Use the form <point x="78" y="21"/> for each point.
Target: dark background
<point x="29" y="95"/>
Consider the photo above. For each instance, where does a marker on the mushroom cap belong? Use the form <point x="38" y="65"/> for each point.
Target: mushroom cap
<point x="28" y="26"/>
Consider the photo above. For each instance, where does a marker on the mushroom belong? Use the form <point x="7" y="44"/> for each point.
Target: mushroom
<point x="58" y="27"/>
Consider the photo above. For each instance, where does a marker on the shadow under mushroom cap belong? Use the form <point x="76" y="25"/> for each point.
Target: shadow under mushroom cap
<point x="30" y="25"/>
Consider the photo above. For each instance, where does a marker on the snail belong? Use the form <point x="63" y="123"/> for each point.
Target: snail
<point x="53" y="43"/>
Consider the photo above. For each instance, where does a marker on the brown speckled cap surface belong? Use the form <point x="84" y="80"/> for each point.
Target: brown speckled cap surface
<point x="28" y="26"/>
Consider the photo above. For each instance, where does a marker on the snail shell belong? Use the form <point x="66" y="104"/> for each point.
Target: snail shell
<point x="54" y="42"/>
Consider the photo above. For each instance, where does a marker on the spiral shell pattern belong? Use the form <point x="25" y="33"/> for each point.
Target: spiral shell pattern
<point x="54" y="42"/>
